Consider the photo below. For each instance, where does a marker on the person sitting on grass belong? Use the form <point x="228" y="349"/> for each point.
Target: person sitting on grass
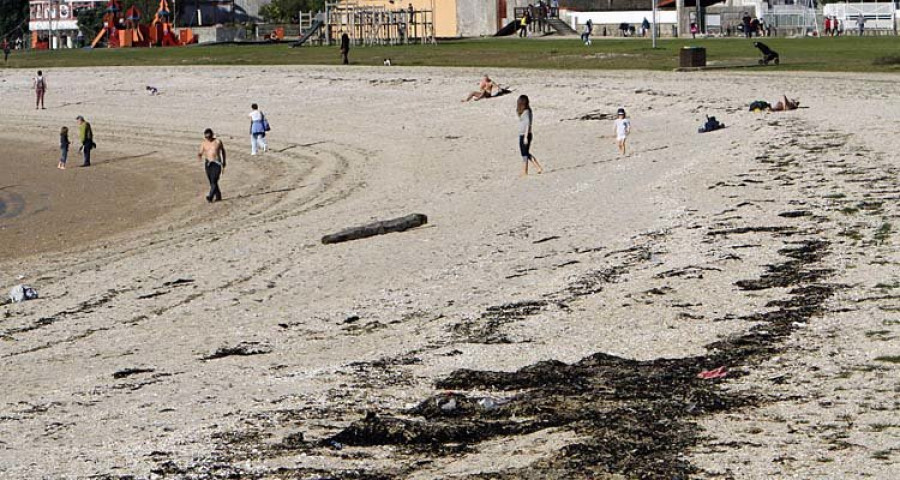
<point x="485" y="90"/>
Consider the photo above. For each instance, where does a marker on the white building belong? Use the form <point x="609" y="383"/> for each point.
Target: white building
<point x="55" y="23"/>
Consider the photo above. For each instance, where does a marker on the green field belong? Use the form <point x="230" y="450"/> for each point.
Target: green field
<point x="851" y="54"/>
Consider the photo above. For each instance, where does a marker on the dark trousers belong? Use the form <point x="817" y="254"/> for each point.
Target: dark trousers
<point x="86" y="151"/>
<point x="213" y="172"/>
<point x="345" y="56"/>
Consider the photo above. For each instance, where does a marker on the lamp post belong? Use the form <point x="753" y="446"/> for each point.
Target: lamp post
<point x="653" y="27"/>
<point x="50" y="25"/>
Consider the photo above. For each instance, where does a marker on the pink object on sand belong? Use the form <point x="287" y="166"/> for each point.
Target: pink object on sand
<point x="710" y="374"/>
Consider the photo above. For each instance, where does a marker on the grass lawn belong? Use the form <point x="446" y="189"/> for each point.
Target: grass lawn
<point x="850" y="54"/>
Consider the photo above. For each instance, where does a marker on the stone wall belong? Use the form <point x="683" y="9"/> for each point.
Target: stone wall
<point x="476" y="17"/>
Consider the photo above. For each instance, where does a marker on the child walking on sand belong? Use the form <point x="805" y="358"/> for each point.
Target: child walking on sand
<point x="623" y="128"/>
<point x="523" y="109"/>
<point x="63" y="147"/>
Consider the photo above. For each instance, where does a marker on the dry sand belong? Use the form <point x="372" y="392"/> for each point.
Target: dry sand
<point x="202" y="341"/>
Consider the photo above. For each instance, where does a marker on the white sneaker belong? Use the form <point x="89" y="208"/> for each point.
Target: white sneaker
<point x="252" y="154"/>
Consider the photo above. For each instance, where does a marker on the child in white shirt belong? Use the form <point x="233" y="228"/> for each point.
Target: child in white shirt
<point x="623" y="128"/>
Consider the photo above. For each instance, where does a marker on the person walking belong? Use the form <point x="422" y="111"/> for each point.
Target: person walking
<point x="523" y="109"/>
<point x="86" y="136"/>
<point x="258" y="128"/>
<point x="645" y="27"/>
<point x="212" y="154"/>
<point x="63" y="148"/>
<point x="40" y="88"/>
<point x="623" y="128"/>
<point x="345" y="48"/>
<point x="586" y="34"/>
<point x="5" y="51"/>
<point x="861" y="23"/>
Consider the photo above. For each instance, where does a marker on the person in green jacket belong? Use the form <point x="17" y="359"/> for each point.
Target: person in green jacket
<point x="86" y="135"/>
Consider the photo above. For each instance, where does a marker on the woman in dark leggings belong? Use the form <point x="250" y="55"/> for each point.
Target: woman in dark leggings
<point x="523" y="109"/>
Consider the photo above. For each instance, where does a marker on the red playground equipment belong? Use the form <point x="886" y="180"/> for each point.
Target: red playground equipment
<point x="161" y="32"/>
<point x="112" y="20"/>
<point x="127" y="31"/>
<point x="134" y="34"/>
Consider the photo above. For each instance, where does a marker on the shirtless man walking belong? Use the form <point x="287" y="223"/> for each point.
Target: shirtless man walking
<point x="212" y="153"/>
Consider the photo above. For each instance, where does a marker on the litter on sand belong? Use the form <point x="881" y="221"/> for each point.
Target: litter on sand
<point x="21" y="293"/>
<point x="711" y="374"/>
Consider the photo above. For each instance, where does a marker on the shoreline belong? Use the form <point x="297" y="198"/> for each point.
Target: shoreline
<point x="53" y="211"/>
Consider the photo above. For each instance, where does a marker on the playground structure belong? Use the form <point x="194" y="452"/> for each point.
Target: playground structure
<point x="126" y="30"/>
<point x="367" y="25"/>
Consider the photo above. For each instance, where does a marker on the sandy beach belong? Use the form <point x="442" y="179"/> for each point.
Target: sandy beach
<point x="46" y="210"/>
<point x="543" y="327"/>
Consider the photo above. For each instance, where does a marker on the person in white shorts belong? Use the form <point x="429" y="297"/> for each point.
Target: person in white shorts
<point x="623" y="128"/>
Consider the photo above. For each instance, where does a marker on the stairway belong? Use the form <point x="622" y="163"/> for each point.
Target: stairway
<point x="561" y="27"/>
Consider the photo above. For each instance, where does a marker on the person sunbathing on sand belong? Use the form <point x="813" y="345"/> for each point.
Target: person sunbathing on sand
<point x="785" y="104"/>
<point x="485" y="89"/>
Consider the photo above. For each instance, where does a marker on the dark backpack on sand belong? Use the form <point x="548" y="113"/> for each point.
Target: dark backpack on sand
<point x="710" y="125"/>
<point x="759" y="105"/>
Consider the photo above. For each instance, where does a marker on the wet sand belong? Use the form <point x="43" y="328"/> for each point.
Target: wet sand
<point x="44" y="209"/>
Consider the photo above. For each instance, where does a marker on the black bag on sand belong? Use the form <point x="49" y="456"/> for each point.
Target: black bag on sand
<point x="710" y="125"/>
<point x="759" y="105"/>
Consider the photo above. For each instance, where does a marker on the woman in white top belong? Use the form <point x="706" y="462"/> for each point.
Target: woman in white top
<point x="257" y="130"/>
<point x="523" y="109"/>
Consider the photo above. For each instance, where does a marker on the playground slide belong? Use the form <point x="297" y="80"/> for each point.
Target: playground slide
<point x="509" y="29"/>
<point x="316" y="25"/>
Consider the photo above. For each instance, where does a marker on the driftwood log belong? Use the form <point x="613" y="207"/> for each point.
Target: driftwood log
<point x="377" y="228"/>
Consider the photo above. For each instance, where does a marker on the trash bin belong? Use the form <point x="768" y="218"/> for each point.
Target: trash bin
<point x="692" y="57"/>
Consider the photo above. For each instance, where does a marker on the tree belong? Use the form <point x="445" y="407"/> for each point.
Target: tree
<point x="90" y="21"/>
<point x="13" y="18"/>
<point x="287" y="11"/>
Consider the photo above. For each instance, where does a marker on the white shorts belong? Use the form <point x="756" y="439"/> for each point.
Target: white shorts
<point x="621" y="138"/>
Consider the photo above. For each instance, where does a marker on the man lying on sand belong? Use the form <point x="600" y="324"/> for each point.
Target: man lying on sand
<point x="785" y="104"/>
